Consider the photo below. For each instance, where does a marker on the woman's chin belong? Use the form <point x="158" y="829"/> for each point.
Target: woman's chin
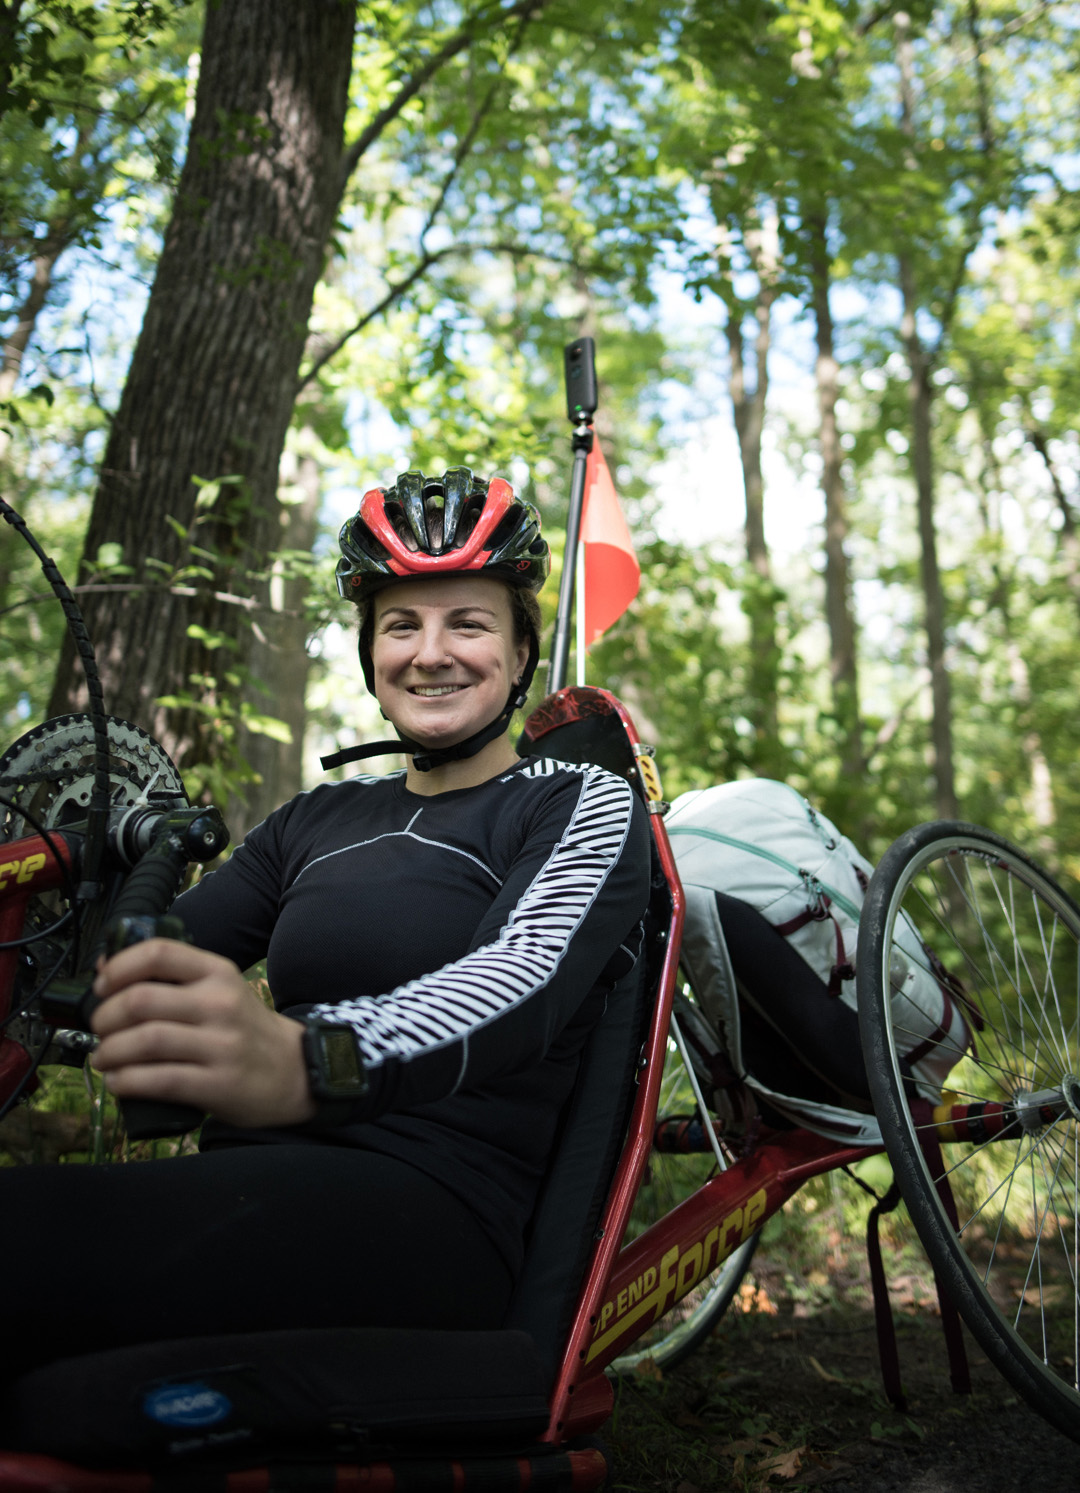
<point x="433" y="734"/>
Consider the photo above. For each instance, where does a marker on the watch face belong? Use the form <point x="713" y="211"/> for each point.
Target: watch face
<point x="341" y="1063"/>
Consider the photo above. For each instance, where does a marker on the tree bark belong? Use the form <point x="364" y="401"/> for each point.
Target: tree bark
<point x="213" y="376"/>
<point x="760" y="594"/>
<point x="920" y="395"/>
<point x="843" y="669"/>
<point x="279" y="661"/>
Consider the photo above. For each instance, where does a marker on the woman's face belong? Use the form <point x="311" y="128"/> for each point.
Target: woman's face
<point x="444" y="656"/>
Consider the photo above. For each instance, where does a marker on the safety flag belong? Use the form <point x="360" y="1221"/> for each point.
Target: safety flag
<point x="609" y="574"/>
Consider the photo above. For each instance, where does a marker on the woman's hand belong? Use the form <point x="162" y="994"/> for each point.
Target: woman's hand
<point x="178" y="1023"/>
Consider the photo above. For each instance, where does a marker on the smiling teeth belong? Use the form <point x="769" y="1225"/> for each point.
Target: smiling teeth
<point x="436" y="689"/>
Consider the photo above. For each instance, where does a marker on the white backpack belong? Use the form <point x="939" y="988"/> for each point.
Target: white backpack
<point x="761" y="842"/>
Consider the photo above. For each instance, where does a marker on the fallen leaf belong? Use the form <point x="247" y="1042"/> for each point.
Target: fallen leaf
<point x="823" y="1373"/>
<point x="736" y="1448"/>
<point x="688" y="1488"/>
<point x="786" y="1464"/>
<point x="649" y="1369"/>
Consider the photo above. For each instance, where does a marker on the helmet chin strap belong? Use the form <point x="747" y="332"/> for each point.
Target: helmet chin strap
<point x="425" y="758"/>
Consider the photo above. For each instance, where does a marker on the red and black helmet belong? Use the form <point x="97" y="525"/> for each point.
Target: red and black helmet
<point x="456" y="524"/>
<point x="448" y="525"/>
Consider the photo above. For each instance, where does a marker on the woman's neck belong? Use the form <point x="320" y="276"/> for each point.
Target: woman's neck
<point x="493" y="759"/>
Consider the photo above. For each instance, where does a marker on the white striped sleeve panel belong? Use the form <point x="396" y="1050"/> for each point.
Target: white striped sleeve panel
<point x="447" y="1006"/>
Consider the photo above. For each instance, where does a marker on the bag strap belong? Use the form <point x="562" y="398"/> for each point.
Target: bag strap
<point x="888" y="1356"/>
<point x="923" y="1116"/>
<point x="843" y="969"/>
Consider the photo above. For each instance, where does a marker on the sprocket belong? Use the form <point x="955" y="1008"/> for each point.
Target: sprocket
<point x="49" y="772"/>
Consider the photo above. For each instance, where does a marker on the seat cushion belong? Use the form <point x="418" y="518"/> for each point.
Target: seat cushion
<point x="340" y="1388"/>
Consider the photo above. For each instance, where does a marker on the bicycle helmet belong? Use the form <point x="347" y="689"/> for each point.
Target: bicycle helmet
<point x="431" y="526"/>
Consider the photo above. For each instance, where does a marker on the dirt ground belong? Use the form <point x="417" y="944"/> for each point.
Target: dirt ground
<point x="788" y="1394"/>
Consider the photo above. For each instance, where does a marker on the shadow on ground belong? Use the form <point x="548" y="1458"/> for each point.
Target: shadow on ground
<point x="787" y="1393"/>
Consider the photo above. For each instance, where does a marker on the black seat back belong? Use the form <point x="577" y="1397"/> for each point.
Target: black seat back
<point x="580" y="726"/>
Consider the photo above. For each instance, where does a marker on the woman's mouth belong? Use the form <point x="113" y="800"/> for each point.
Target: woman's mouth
<point x="430" y="691"/>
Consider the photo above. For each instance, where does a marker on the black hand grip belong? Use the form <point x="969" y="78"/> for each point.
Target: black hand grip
<point x="151" y="886"/>
<point x="158" y="1119"/>
<point x="146" y="894"/>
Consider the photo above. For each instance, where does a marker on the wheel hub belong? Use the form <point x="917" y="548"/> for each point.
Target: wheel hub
<point x="1070" y="1092"/>
<point x="1038" y="1108"/>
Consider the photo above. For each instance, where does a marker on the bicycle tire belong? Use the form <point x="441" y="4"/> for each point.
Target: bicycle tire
<point x="671" y="1177"/>
<point x="1011" y="935"/>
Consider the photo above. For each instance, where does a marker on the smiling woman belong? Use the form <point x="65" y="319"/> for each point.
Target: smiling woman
<point x="446" y="656"/>
<point x="439" y="945"/>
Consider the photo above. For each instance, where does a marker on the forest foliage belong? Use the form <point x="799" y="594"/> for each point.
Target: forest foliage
<point x="828" y="250"/>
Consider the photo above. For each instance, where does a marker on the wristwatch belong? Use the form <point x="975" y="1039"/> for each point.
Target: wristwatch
<point x="336" y="1073"/>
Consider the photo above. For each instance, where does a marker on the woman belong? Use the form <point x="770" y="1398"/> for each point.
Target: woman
<point x="439" y="944"/>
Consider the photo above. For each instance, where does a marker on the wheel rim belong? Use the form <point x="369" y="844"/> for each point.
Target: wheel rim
<point x="672" y="1177"/>
<point x="1012" y="939"/>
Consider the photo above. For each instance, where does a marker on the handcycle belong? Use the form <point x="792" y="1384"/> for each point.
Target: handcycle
<point x="515" y="1408"/>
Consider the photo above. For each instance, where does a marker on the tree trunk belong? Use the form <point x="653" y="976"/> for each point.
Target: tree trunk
<point x="212" y="379"/>
<point x="843" y="670"/>
<point x="760" y="595"/>
<point x="279" y="660"/>
<point x="920" y="394"/>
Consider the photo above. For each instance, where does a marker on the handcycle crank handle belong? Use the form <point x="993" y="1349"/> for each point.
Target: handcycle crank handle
<point x="138" y="913"/>
<point x="186" y="836"/>
<point x="151" y="1119"/>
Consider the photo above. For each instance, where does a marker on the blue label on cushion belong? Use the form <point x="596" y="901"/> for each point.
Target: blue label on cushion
<point x="187" y="1405"/>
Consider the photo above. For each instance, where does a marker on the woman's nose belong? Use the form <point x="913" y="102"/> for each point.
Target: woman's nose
<point x="431" y="649"/>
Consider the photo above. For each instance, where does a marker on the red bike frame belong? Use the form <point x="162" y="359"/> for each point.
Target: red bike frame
<point x="627" y="1290"/>
<point x="28" y="867"/>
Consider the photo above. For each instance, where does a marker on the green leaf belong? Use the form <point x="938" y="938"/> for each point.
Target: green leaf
<point x="267" y="725"/>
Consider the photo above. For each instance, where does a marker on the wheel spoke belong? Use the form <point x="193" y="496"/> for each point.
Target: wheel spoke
<point x="1002" y="927"/>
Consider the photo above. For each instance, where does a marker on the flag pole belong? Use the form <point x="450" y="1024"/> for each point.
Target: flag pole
<point x="579" y="615"/>
<point x="581" y="400"/>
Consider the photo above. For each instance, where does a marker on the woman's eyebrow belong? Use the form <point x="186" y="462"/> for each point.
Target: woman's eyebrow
<point x="453" y="614"/>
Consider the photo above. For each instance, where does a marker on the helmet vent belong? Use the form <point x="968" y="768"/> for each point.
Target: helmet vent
<point x="395" y="513"/>
<point x="506" y="529"/>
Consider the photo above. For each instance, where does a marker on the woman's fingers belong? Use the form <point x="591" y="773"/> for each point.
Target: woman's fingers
<point x="160" y="959"/>
<point x="202" y="1001"/>
<point x="178" y="1023"/>
<point x="159" y="1042"/>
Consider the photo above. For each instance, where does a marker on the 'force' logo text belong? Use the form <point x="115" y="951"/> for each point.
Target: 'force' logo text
<point x="21" y="870"/>
<point x="657" y="1289"/>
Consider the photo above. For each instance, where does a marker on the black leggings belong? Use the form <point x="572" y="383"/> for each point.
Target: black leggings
<point x="236" y="1240"/>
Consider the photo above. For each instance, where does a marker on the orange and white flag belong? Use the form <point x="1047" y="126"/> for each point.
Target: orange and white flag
<point x="611" y="571"/>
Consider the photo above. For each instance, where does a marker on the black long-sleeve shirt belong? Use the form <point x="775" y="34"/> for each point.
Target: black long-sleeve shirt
<point x="470" y="938"/>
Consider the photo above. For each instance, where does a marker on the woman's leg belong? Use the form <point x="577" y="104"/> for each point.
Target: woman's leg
<point x="236" y="1240"/>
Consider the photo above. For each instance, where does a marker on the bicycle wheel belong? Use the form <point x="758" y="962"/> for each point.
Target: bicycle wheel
<point x="1005" y="937"/>
<point x="671" y="1177"/>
